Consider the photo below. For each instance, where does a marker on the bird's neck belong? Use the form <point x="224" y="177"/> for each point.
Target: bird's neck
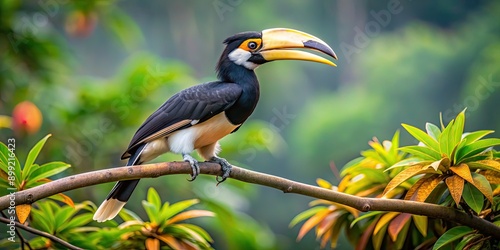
<point x="245" y="105"/>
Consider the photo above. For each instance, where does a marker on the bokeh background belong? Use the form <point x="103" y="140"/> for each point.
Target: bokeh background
<point x="97" y="69"/>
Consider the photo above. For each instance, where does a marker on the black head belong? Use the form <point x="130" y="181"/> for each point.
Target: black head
<point x="251" y="49"/>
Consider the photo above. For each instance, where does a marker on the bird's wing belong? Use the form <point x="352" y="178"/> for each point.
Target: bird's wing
<point x="186" y="108"/>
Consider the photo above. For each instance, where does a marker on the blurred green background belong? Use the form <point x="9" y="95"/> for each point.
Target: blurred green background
<point x="97" y="69"/>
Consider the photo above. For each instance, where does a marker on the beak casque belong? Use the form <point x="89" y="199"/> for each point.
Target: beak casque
<point x="277" y="44"/>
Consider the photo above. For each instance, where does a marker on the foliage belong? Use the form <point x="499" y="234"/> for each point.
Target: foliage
<point x="163" y="227"/>
<point x="66" y="222"/>
<point x="448" y="167"/>
<point x="15" y="177"/>
<point x="166" y="228"/>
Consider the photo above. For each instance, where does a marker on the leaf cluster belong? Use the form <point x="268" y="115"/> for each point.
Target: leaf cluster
<point x="447" y="167"/>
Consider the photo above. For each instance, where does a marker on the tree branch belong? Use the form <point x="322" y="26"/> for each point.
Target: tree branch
<point x="168" y="168"/>
<point x="41" y="233"/>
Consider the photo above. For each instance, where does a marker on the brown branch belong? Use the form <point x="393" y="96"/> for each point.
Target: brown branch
<point x="41" y="233"/>
<point x="168" y="168"/>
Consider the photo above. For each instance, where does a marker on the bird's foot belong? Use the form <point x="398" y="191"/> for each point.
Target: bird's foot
<point x="194" y="166"/>
<point x="226" y="168"/>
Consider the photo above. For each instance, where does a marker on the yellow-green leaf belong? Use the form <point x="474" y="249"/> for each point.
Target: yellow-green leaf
<point x="433" y="130"/>
<point x="457" y="129"/>
<point x="476" y="135"/>
<point x="422" y="152"/>
<point x="154" y="198"/>
<point x="421" y="223"/>
<point x="323" y="183"/>
<point x="455" y="184"/>
<point x="476" y="147"/>
<point x="445" y="140"/>
<point x="422" y="136"/>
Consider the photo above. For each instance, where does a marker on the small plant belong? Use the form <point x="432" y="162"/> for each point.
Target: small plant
<point x="448" y="167"/>
<point x="12" y="176"/>
<point x="66" y="222"/>
<point x="163" y="228"/>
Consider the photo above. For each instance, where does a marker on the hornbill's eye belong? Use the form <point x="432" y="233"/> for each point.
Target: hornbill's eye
<point x="252" y="45"/>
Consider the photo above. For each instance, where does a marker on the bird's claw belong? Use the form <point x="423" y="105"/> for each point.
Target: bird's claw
<point x="194" y="166"/>
<point x="225" y="166"/>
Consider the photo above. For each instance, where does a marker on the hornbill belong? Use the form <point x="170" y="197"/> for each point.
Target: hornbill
<point x="199" y="116"/>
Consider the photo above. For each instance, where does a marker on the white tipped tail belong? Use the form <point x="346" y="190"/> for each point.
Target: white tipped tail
<point x="108" y="210"/>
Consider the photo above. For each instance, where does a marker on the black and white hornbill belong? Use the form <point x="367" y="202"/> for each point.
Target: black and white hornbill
<point x="198" y="117"/>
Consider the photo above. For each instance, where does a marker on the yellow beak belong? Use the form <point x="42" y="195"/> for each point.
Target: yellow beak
<point x="277" y="44"/>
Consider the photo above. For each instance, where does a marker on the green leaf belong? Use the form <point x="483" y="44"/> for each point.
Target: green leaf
<point x="402" y="236"/>
<point x="8" y="158"/>
<point x="32" y="155"/>
<point x="200" y="231"/>
<point x="151" y="211"/>
<point x="482" y="184"/>
<point x="468" y="239"/>
<point x="75" y="222"/>
<point x="476" y="135"/>
<point x="476" y="147"/>
<point x="42" y="221"/>
<point x="422" y="152"/>
<point x="154" y="198"/>
<point x="457" y="129"/>
<point x="473" y="197"/>
<point x="446" y="140"/>
<point x="63" y="215"/>
<point x="409" y="162"/>
<point x="394" y="144"/>
<point x="351" y="164"/>
<point x="433" y="130"/>
<point x="179" y="206"/>
<point x="367" y="215"/>
<point x="46" y="170"/>
<point x="421" y="223"/>
<point x="451" y="235"/>
<point x="128" y="215"/>
<point x="306" y="214"/>
<point x="375" y="175"/>
<point x="422" y="137"/>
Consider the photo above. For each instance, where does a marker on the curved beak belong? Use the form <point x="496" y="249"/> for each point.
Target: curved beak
<point x="277" y="44"/>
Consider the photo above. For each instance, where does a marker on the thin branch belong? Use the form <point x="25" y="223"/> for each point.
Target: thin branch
<point x="23" y="241"/>
<point x="41" y="233"/>
<point x="168" y="168"/>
